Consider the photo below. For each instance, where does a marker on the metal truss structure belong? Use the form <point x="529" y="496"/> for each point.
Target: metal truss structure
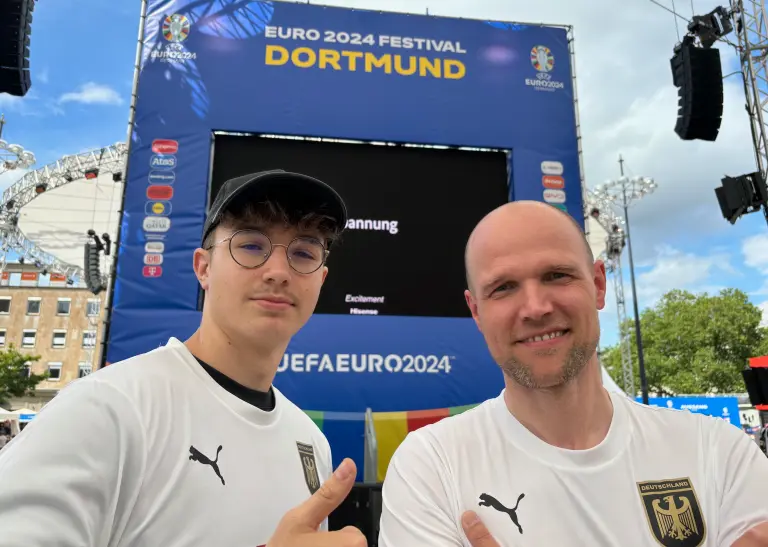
<point x="751" y="25"/>
<point x="601" y="211"/>
<point x="54" y="175"/>
<point x="13" y="156"/>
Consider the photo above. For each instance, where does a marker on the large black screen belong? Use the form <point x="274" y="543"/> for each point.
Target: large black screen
<point x="411" y="209"/>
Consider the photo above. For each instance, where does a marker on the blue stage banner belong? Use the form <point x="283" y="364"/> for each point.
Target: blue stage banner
<point x="313" y="71"/>
<point x="726" y="408"/>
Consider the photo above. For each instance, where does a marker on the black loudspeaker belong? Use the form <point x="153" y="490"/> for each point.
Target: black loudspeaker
<point x="15" y="33"/>
<point x="698" y="75"/>
<point x="361" y="509"/>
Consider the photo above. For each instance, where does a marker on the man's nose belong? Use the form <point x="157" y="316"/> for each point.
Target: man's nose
<point x="536" y="302"/>
<point x="277" y="269"/>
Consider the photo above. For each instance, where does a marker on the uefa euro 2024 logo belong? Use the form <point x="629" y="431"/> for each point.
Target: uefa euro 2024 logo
<point x="176" y="28"/>
<point x="544" y="62"/>
<point x="542" y="59"/>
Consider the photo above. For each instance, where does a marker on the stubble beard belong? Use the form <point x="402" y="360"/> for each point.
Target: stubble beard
<point x="574" y="362"/>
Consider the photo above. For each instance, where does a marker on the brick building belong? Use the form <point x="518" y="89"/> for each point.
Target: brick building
<point x="43" y="315"/>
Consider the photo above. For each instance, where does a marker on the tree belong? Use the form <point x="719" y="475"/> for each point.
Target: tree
<point x="16" y="379"/>
<point x="694" y="343"/>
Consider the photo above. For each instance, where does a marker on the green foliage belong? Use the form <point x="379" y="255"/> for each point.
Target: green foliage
<point x="694" y="343"/>
<point x="14" y="381"/>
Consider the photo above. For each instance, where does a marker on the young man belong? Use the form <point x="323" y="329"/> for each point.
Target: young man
<point x="190" y="444"/>
<point x="555" y="459"/>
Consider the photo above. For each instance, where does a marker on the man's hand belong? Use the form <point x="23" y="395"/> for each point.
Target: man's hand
<point x="299" y="526"/>
<point x="477" y="534"/>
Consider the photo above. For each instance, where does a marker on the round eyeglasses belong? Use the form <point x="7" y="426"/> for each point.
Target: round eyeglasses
<point x="251" y="249"/>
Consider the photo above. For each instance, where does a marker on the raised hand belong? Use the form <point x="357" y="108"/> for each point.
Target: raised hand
<point x="299" y="526"/>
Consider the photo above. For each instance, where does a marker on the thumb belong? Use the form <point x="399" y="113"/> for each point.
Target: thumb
<point x="328" y="497"/>
<point x="476" y="532"/>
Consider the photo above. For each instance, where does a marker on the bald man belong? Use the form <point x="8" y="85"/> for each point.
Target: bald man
<point x="555" y="459"/>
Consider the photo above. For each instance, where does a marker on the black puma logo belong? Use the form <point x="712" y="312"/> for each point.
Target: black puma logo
<point x="489" y="501"/>
<point x="197" y="456"/>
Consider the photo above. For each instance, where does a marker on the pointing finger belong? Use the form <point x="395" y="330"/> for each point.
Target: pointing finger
<point x="329" y="496"/>
<point x="477" y="534"/>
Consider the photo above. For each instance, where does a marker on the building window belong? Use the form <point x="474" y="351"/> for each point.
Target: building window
<point x="59" y="338"/>
<point x="63" y="306"/>
<point x="2" y="337"/>
<point x="33" y="306"/>
<point x="26" y="371"/>
<point x="84" y="370"/>
<point x="89" y="339"/>
<point x="54" y="372"/>
<point x="28" y="338"/>
<point x="94" y="308"/>
<point x="5" y="305"/>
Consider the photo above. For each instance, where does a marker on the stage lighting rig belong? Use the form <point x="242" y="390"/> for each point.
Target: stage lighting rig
<point x="711" y="27"/>
<point x="742" y="195"/>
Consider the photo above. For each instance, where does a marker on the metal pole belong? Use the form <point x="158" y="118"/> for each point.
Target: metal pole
<point x="2" y="123"/>
<point x="640" y="359"/>
<point x="110" y="296"/>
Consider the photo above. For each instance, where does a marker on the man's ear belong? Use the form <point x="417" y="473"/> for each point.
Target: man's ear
<point x="325" y="274"/>
<point x="601" y="283"/>
<point x="472" y="304"/>
<point x="201" y="263"/>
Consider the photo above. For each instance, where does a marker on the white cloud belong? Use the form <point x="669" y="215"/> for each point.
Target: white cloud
<point x="43" y="76"/>
<point x="93" y="93"/>
<point x="671" y="269"/>
<point x="674" y="269"/>
<point x="755" y="249"/>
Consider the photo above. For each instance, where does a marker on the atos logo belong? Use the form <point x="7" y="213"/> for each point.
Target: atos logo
<point x="161" y="177"/>
<point x="162" y="163"/>
<point x="165" y="146"/>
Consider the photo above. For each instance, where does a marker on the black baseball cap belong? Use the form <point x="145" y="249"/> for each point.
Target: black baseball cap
<point x="293" y="191"/>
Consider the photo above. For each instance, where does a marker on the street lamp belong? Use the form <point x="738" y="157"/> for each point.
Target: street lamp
<point x="623" y="192"/>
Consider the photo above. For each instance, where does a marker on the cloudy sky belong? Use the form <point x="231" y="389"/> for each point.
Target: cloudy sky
<point x="82" y="59"/>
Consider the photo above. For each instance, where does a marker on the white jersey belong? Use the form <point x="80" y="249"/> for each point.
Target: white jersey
<point x="153" y="452"/>
<point x="660" y="477"/>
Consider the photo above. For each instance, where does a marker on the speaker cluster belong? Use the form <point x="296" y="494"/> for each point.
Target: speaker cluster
<point x="15" y="36"/>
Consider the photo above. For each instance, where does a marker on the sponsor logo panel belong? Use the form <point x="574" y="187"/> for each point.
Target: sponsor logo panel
<point x="552" y="168"/>
<point x="154" y="247"/>
<point x="157" y="224"/>
<point x="152" y="271"/>
<point x="165" y="146"/>
<point x="162" y="162"/>
<point x="553" y="182"/>
<point x="153" y="259"/>
<point x="554" y="196"/>
<point x="159" y="208"/>
<point x="161" y="177"/>
<point x="159" y="192"/>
